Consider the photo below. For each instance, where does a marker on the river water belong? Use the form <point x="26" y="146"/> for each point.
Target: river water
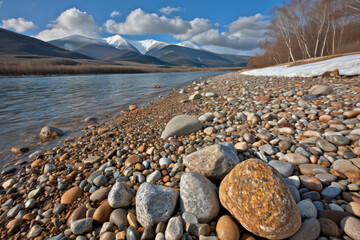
<point x="29" y="103"/>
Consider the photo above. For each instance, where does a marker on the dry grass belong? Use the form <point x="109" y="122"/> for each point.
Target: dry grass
<point x="14" y="66"/>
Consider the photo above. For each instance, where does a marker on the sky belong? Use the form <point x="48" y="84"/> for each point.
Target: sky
<point x="227" y="26"/>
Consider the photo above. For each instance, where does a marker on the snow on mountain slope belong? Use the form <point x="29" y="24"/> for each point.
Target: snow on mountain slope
<point x="148" y="44"/>
<point x="121" y="43"/>
<point x="189" y="44"/>
<point x="347" y="65"/>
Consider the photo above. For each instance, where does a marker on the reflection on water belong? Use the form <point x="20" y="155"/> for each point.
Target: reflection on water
<point x="28" y="103"/>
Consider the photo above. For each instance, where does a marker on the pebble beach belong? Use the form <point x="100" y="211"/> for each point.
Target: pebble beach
<point x="229" y="157"/>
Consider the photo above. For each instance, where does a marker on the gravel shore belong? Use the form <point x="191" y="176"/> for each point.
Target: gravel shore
<point x="229" y="157"/>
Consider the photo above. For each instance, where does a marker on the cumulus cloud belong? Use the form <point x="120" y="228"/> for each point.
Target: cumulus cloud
<point x="18" y="24"/>
<point x="139" y="22"/>
<point x="244" y="34"/>
<point x="198" y="26"/>
<point x="115" y="14"/>
<point x="168" y="10"/>
<point x="70" y="22"/>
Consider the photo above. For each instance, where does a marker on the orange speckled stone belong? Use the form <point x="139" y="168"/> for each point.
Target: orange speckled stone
<point x="257" y="196"/>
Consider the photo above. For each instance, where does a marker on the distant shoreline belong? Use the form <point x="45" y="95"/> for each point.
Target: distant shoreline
<point x="61" y="66"/>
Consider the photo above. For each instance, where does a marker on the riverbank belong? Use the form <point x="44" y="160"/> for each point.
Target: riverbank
<point x="121" y="180"/>
<point x="12" y="66"/>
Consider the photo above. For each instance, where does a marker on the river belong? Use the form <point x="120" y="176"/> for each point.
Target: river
<point x="29" y="103"/>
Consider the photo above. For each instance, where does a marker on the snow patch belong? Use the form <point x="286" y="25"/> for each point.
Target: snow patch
<point x="347" y="65"/>
<point x="189" y="44"/>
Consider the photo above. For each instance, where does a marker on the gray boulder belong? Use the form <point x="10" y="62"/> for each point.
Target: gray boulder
<point x="321" y="90"/>
<point x="214" y="161"/>
<point x="120" y="195"/>
<point x="155" y="203"/>
<point x="198" y="196"/>
<point x="48" y="133"/>
<point x="181" y="125"/>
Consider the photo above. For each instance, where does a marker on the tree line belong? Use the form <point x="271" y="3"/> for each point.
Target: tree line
<point x="303" y="29"/>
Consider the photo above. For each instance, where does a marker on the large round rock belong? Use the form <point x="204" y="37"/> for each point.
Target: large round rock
<point x="155" y="203"/>
<point x="198" y="196"/>
<point x="181" y="125"/>
<point x="214" y="161"/>
<point x="257" y="196"/>
<point x="120" y="195"/>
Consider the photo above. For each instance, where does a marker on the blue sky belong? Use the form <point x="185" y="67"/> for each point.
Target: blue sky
<point x="230" y="26"/>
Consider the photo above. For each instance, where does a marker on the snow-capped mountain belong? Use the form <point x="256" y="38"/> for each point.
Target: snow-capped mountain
<point x="189" y="44"/>
<point x="118" y="48"/>
<point x="121" y="43"/>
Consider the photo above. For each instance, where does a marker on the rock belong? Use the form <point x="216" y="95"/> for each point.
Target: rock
<point x="338" y="140"/>
<point x="100" y="180"/>
<point x="195" y="96"/>
<point x="198" y="196"/>
<point x="268" y="149"/>
<point x="8" y="170"/>
<point x="296" y="158"/>
<point x="132" y="233"/>
<point x="312" y="169"/>
<point x="252" y="190"/>
<point x="335" y="216"/>
<point x="329" y="228"/>
<point x="227" y="228"/>
<point x="48" y="133"/>
<point x="49" y="168"/>
<point x="214" y="161"/>
<point x="102" y="213"/>
<point x="311" y="183"/>
<point x="351" y="227"/>
<point x="309" y="230"/>
<point x="330" y="191"/>
<point x="132" y="107"/>
<point x="174" y="229"/>
<point x="294" y="192"/>
<point x="321" y="90"/>
<point x="307" y="209"/>
<point x="326" y="178"/>
<point x="284" y="168"/>
<point x="118" y="217"/>
<point x="353" y="208"/>
<point x="92" y="160"/>
<point x="155" y="203"/>
<point x="207" y="117"/>
<point x="82" y="226"/>
<point x="99" y="194"/>
<point x="347" y="168"/>
<point x="181" y="125"/>
<point x="71" y="195"/>
<point x="326" y="146"/>
<point x="35" y="231"/>
<point x="78" y="213"/>
<point x="107" y="236"/>
<point x="153" y="177"/>
<point x="120" y="195"/>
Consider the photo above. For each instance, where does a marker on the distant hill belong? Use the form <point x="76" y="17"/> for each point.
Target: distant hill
<point x="184" y="53"/>
<point x="102" y="51"/>
<point x="18" y="45"/>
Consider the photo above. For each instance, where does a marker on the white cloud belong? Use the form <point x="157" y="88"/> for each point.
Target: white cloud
<point x="115" y="14"/>
<point x="1" y="3"/>
<point x="252" y="22"/>
<point x="71" y="22"/>
<point x="244" y="34"/>
<point x="139" y="22"/>
<point x="198" y="26"/>
<point x="168" y="10"/>
<point x="18" y="24"/>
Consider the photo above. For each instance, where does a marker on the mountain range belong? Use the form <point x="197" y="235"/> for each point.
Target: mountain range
<point x="117" y="48"/>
